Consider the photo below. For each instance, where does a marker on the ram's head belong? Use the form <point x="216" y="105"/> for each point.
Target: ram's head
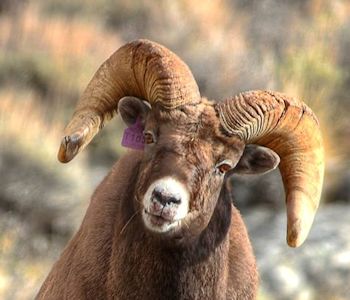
<point x="191" y="143"/>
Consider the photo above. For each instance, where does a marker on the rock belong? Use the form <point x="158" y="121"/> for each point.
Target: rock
<point x="319" y="269"/>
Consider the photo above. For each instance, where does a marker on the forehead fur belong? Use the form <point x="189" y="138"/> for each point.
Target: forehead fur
<point x="185" y="116"/>
<point x="195" y="124"/>
<point x="188" y="118"/>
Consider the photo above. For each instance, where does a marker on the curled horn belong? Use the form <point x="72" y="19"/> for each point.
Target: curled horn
<point x="291" y="129"/>
<point x="142" y="69"/>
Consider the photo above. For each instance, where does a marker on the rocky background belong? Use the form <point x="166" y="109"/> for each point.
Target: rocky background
<point x="49" y="49"/>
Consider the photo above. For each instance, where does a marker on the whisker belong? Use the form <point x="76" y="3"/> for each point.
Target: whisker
<point x="128" y="222"/>
<point x="188" y="227"/>
<point x="137" y="200"/>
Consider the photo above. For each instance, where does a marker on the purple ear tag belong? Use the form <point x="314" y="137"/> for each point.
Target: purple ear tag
<point x="133" y="136"/>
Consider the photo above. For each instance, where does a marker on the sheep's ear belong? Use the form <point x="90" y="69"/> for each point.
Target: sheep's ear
<point x="256" y="160"/>
<point x="132" y="108"/>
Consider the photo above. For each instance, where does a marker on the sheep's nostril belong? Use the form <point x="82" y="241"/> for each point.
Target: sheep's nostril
<point x="157" y="194"/>
<point x="164" y="198"/>
<point x="174" y="200"/>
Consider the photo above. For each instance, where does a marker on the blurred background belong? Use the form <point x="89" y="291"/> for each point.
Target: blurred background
<point x="49" y="50"/>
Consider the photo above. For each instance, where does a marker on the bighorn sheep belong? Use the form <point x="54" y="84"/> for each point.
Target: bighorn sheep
<point x="161" y="225"/>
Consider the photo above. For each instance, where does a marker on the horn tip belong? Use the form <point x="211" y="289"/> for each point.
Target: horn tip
<point x="295" y="236"/>
<point x="300" y="217"/>
<point x="68" y="149"/>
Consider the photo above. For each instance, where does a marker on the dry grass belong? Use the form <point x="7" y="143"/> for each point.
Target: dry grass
<point x="37" y="188"/>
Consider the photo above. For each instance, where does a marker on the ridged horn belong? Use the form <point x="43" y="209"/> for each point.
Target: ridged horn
<point x="143" y="69"/>
<point x="291" y="129"/>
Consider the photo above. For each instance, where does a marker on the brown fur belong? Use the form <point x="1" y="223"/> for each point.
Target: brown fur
<point x="113" y="256"/>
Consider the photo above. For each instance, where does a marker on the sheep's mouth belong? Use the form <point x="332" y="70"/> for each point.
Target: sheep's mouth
<point x="157" y="220"/>
<point x="159" y="223"/>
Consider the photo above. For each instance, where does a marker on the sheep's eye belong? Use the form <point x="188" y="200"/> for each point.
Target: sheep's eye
<point x="224" y="166"/>
<point x="149" y="137"/>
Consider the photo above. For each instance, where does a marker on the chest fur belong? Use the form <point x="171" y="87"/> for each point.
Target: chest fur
<point x="168" y="274"/>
